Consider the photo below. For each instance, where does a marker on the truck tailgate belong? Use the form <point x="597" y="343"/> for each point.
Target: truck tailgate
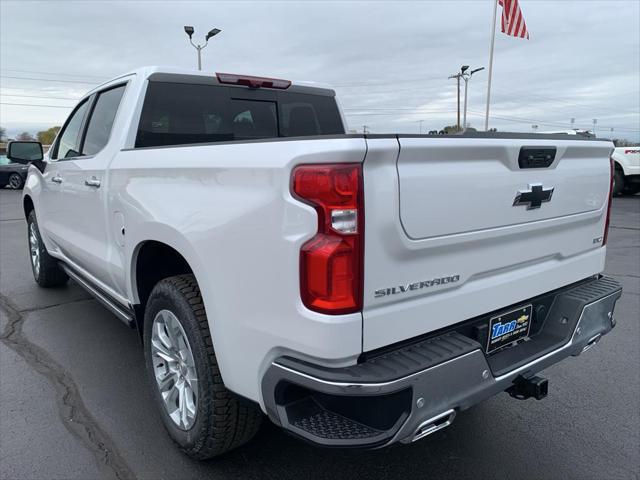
<point x="455" y="227"/>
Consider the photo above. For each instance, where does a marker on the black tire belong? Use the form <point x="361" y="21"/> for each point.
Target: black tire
<point x="618" y="182"/>
<point x="16" y="181"/>
<point x="48" y="272"/>
<point x="223" y="421"/>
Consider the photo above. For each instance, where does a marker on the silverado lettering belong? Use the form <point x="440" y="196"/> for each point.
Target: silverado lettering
<point x="416" y="286"/>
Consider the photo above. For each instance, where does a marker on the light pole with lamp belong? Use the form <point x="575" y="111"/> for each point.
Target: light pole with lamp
<point x="466" y="77"/>
<point x="458" y="76"/>
<point x="212" y="33"/>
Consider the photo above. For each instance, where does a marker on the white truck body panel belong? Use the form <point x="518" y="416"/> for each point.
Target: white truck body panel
<point x="443" y="207"/>
<point x="231" y="216"/>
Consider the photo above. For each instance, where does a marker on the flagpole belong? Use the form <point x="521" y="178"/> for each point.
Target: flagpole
<point x="493" y="39"/>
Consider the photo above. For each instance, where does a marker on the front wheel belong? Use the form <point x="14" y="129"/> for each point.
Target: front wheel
<point x="201" y="416"/>
<point x="46" y="269"/>
<point x="15" y="181"/>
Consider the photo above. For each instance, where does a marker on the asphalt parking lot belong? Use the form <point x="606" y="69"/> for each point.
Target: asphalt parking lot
<point x="74" y="402"/>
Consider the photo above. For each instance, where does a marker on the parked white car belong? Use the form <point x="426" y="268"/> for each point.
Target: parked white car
<point x="627" y="170"/>
<point x="359" y="290"/>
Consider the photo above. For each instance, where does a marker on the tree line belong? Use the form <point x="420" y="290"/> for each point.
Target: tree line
<point x="45" y="137"/>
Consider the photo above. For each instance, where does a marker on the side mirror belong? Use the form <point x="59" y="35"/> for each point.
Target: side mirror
<point x="24" y="152"/>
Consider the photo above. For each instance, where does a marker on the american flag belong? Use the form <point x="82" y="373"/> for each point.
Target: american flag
<point x="512" y="19"/>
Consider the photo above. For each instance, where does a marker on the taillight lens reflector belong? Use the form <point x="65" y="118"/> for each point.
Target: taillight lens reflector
<point x="331" y="263"/>
<point x="609" y="201"/>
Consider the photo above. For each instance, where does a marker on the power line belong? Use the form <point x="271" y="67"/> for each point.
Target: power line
<point x="397" y="111"/>
<point x="49" y="80"/>
<point x="35" y="105"/>
<point x="542" y="122"/>
<point x="55" y="73"/>
<point x="39" y="96"/>
<point x="419" y="79"/>
<point x="49" y="89"/>
<point x="499" y="117"/>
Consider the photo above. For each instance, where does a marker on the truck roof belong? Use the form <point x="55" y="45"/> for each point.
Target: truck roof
<point x="206" y="76"/>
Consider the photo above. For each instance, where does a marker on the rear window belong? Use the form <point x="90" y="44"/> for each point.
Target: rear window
<point x="179" y="114"/>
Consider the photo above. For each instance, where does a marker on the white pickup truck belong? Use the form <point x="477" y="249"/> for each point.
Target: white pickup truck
<point x="358" y="290"/>
<point x="626" y="163"/>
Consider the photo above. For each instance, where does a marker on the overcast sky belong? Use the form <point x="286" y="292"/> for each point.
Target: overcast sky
<point x="389" y="61"/>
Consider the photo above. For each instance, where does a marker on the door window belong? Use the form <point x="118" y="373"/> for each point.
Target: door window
<point x="69" y="143"/>
<point x="101" y="121"/>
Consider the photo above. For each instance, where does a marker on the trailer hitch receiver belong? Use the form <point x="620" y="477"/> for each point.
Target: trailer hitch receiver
<point x="523" y="388"/>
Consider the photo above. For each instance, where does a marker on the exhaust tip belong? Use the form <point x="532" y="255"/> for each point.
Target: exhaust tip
<point x="434" y="424"/>
<point x="591" y="343"/>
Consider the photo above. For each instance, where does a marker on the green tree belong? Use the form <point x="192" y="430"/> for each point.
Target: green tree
<point x="25" y="137"/>
<point x="449" y="130"/>
<point x="46" y="137"/>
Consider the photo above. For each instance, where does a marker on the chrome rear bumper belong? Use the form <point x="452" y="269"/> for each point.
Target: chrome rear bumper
<point x="407" y="394"/>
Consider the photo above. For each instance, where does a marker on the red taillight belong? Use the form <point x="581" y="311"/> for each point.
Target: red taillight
<point x="331" y="263"/>
<point x="609" y="201"/>
<point x="253" y="82"/>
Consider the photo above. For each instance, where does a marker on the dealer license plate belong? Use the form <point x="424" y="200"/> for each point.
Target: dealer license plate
<point x="509" y="327"/>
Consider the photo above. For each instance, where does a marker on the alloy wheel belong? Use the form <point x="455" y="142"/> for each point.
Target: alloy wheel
<point x="34" y="249"/>
<point x="174" y="369"/>
<point x="15" y="181"/>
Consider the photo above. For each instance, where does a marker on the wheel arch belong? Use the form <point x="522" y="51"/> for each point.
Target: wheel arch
<point x="27" y="205"/>
<point x="147" y="271"/>
<point x="617" y="166"/>
<point x="155" y="258"/>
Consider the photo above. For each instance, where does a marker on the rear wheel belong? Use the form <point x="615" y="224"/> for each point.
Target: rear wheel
<point x="202" y="417"/>
<point x="46" y="269"/>
<point x="15" y="181"/>
<point x="618" y="182"/>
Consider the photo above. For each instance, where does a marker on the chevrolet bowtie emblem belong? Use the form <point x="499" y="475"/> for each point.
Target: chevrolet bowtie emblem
<point x="533" y="197"/>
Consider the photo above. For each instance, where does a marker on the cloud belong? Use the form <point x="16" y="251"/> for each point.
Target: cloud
<point x="389" y="61"/>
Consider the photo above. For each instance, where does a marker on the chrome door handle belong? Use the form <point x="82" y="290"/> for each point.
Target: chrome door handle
<point x="92" y="182"/>
<point x="56" y="179"/>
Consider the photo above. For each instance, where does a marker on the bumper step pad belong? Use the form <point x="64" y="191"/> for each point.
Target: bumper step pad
<point x="310" y="417"/>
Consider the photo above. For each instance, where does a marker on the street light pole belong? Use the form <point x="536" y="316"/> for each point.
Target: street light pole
<point x="467" y="77"/>
<point x="457" y="76"/>
<point x="199" y="49"/>
<point x="458" y="90"/>
<point x="212" y="33"/>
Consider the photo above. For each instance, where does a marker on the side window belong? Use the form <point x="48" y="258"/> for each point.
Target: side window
<point x="179" y="114"/>
<point x="101" y="121"/>
<point x="69" y="142"/>
<point x="303" y="114"/>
